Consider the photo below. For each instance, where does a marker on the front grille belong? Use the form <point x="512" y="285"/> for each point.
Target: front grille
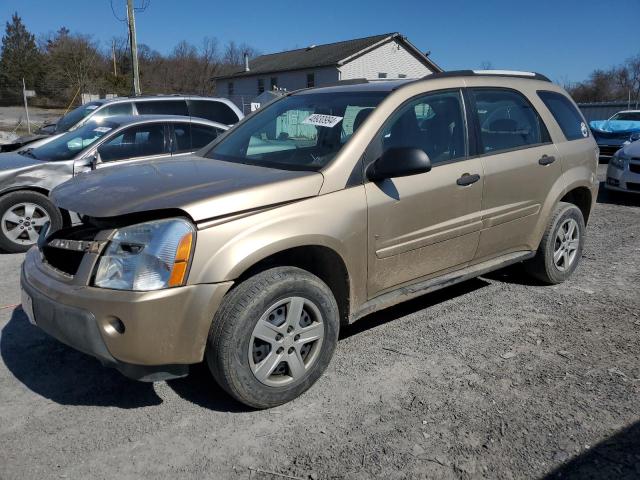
<point x="613" y="135"/>
<point x="633" y="186"/>
<point x="67" y="260"/>
<point x="634" y="167"/>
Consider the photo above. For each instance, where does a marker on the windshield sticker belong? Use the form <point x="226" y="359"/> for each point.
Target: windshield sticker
<point x="91" y="107"/>
<point x="584" y="130"/>
<point x="320" y="120"/>
<point x="101" y="129"/>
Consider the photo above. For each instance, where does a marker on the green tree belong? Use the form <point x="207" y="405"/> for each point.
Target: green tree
<point x="19" y="59"/>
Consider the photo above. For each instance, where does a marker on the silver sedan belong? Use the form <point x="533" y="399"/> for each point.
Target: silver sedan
<point x="27" y="176"/>
<point x="623" y="173"/>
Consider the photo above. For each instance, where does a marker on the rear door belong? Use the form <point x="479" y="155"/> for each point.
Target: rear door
<point x="430" y="222"/>
<point x="189" y="137"/>
<point x="520" y="167"/>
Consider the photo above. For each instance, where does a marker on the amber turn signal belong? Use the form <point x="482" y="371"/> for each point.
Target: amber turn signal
<point x="179" y="270"/>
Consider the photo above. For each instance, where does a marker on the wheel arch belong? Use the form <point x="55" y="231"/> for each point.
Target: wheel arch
<point x="320" y="260"/>
<point x="66" y="217"/>
<point x="581" y="197"/>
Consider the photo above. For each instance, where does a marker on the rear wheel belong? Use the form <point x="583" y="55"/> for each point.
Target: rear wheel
<point x="273" y="336"/>
<point x="561" y="246"/>
<point x="23" y="215"/>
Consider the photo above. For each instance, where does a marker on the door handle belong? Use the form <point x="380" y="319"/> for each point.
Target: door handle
<point x="467" y="179"/>
<point x="547" y="160"/>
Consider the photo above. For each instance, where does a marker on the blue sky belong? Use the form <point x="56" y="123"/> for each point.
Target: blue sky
<point x="565" y="39"/>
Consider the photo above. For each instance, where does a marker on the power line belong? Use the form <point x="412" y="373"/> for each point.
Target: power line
<point x="114" y="13"/>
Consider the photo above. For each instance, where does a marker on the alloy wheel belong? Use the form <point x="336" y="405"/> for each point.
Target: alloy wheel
<point x="286" y="341"/>
<point x="566" y="244"/>
<point x="23" y="222"/>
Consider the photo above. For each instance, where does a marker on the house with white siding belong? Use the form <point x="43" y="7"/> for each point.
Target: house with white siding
<point x="387" y="56"/>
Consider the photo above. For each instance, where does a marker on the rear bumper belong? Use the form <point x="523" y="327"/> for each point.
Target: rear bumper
<point x="163" y="331"/>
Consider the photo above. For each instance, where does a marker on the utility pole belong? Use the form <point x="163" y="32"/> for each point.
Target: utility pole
<point x="26" y="109"/>
<point x="134" y="48"/>
<point x="113" y="55"/>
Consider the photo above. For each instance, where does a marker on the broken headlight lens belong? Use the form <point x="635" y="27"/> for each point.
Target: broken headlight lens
<point x="147" y="256"/>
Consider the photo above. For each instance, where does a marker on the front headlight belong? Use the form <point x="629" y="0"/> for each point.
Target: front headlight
<point x="617" y="161"/>
<point x="147" y="256"/>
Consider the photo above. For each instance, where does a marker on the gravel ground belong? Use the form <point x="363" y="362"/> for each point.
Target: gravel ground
<point x="495" y="378"/>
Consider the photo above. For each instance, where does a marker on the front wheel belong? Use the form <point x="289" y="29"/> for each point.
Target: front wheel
<point x="23" y="215"/>
<point x="273" y="336"/>
<point x="561" y="246"/>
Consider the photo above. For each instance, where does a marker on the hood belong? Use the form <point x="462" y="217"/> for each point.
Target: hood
<point x="632" y="149"/>
<point x="204" y="188"/>
<point x="615" y="126"/>
<point x="12" y="161"/>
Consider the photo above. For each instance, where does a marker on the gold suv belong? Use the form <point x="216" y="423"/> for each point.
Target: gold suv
<point x="316" y="210"/>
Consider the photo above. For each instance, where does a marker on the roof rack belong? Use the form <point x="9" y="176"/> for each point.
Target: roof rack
<point x="494" y="73"/>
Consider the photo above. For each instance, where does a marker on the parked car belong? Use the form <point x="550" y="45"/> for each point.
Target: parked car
<point x="27" y="176"/>
<point x="252" y="258"/>
<point x="623" y="171"/>
<point x="219" y="110"/>
<point x="614" y="133"/>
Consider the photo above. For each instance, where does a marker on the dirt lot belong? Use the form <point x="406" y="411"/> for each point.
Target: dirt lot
<point x="495" y="378"/>
<point x="10" y="117"/>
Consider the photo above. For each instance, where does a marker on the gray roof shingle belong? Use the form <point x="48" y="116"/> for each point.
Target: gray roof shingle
<point x="318" y="56"/>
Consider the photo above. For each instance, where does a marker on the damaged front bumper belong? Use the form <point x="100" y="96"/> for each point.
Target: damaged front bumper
<point x="147" y="336"/>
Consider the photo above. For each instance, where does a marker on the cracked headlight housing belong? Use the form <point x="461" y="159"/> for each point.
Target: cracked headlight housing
<point x="148" y="256"/>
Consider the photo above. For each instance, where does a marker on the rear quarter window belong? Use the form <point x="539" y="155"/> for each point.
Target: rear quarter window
<point x="163" y="107"/>
<point x="211" y="110"/>
<point x="568" y="117"/>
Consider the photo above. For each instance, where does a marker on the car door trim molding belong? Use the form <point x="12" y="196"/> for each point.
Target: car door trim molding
<point x="421" y="287"/>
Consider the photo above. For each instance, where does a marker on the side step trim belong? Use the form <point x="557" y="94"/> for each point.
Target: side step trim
<point x="427" y="286"/>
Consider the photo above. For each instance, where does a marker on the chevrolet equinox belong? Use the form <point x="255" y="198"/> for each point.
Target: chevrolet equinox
<point x="316" y="210"/>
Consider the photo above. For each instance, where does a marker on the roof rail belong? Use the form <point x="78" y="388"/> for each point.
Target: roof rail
<point x="495" y="73"/>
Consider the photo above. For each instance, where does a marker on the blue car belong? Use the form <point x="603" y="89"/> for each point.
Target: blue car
<point x="613" y="134"/>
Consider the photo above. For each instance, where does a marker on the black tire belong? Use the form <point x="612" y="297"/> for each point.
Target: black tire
<point x="12" y="199"/>
<point x="231" y="332"/>
<point x="542" y="266"/>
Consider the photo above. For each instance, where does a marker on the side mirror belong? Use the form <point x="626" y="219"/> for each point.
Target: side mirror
<point x="95" y="160"/>
<point x="634" y="137"/>
<point x="399" y="162"/>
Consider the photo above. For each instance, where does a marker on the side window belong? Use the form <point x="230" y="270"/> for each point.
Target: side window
<point x="182" y="132"/>
<point x="124" y="108"/>
<point x="433" y="123"/>
<point x="201" y="135"/>
<point x="162" y="107"/>
<point x="212" y="110"/>
<point x="507" y="120"/>
<point x="138" y="141"/>
<point x="571" y="122"/>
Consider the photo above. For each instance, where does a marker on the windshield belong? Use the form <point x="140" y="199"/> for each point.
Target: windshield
<point x="299" y="132"/>
<point x="635" y="116"/>
<point x="72" y="143"/>
<point x="75" y="115"/>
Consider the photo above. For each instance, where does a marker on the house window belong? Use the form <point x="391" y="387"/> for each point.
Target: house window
<point x="274" y="83"/>
<point x="260" y="85"/>
<point x="311" y="80"/>
<point x="402" y="75"/>
<point x="382" y="75"/>
<point x="230" y="88"/>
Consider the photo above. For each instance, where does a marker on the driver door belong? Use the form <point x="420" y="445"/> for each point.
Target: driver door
<point x="423" y="224"/>
<point x="135" y="143"/>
